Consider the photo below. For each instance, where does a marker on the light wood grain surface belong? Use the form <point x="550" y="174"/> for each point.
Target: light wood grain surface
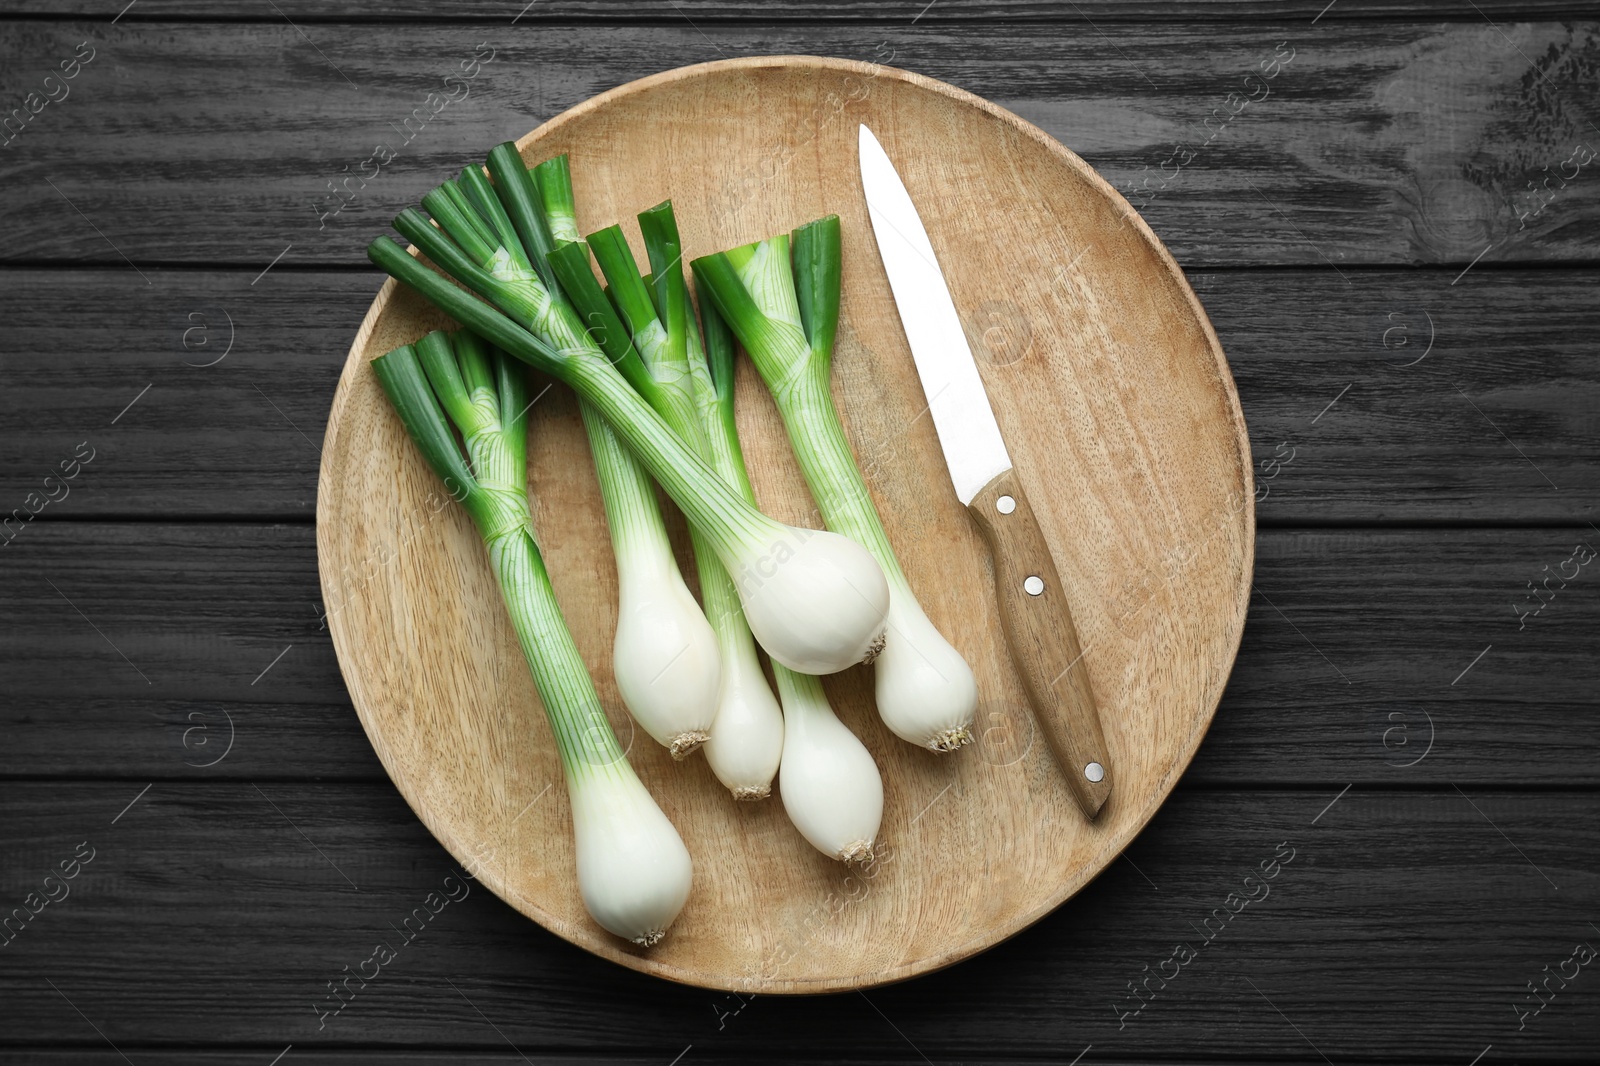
<point x="1043" y="639"/>
<point x="1124" y="425"/>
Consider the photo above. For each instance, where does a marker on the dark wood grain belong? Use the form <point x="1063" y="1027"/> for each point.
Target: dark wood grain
<point x="1381" y="142"/>
<point x="1349" y="669"/>
<point x="502" y="11"/>
<point x="474" y="1057"/>
<point x="1493" y="415"/>
<point x="320" y="1056"/>
<point x="165" y="932"/>
<point x="242" y="437"/>
<point x="1425" y="440"/>
<point x="317" y="1056"/>
<point x="1502" y="352"/>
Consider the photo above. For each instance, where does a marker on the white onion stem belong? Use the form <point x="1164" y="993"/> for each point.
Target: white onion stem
<point x="665" y="655"/>
<point x="747" y="738"/>
<point x="787" y="320"/>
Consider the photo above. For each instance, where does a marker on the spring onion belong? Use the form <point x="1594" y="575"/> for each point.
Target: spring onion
<point x="815" y="600"/>
<point x="786" y="319"/>
<point x="830" y="786"/>
<point x="633" y="870"/>
<point x="664" y="655"/>
<point x="829" y="783"/>
<point x="747" y="733"/>
<point x="747" y="738"/>
<point x="660" y="342"/>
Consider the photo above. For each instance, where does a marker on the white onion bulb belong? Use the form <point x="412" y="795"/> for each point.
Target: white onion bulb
<point x="925" y="690"/>
<point x="830" y="786"/>
<point x="633" y="870"/>
<point x="665" y="657"/>
<point x="747" y="737"/>
<point x="816" y="601"/>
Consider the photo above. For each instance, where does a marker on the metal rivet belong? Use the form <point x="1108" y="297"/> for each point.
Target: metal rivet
<point x="1033" y="586"/>
<point x="1095" y="772"/>
<point x="1005" y="505"/>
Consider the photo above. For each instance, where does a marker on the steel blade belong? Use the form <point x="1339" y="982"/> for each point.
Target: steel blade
<point x="968" y="433"/>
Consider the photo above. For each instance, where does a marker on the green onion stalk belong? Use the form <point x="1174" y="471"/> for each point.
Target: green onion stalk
<point x="816" y="601"/>
<point x="829" y="783"/>
<point x="786" y="318"/>
<point x="633" y="871"/>
<point x="655" y="315"/>
<point x="664" y="654"/>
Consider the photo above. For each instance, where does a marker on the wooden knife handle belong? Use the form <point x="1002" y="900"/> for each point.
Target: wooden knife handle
<point x="1044" y="643"/>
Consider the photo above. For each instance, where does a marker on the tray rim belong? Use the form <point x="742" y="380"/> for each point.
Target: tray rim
<point x="642" y="962"/>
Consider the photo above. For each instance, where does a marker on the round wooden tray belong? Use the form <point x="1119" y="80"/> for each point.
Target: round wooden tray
<point x="1117" y="406"/>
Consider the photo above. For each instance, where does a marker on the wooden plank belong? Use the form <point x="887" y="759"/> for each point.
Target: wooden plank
<point x="200" y="395"/>
<point x="235" y="901"/>
<point x="1449" y="402"/>
<point x="318" y="1056"/>
<point x="920" y="11"/>
<point x="1380" y="142"/>
<point x="1410" y="396"/>
<point x="1360" y="660"/>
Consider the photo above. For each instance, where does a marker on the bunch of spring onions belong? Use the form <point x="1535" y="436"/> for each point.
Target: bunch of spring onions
<point x="655" y="390"/>
<point x="664" y="654"/>
<point x="665" y="657"/>
<point x="830" y="786"/>
<point x="816" y="601"/>
<point x="657" y="323"/>
<point x="633" y="870"/>
<point x="786" y="319"/>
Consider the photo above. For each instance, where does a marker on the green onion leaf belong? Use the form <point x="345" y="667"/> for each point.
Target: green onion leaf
<point x="516" y="192"/>
<point x="477" y="365"/>
<point x="402" y="377"/>
<point x="627" y="289"/>
<point x="553" y="179"/>
<point x="492" y="214"/>
<point x="817" y="262"/>
<point x="665" y="251"/>
<point x="570" y="263"/>
<point x="460" y="305"/>
<point x="461" y="223"/>
<point x="444" y="374"/>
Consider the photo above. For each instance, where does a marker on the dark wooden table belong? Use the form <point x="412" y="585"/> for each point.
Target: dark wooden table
<point x="1397" y="247"/>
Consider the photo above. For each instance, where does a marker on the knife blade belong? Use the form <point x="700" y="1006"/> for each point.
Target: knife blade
<point x="1033" y="607"/>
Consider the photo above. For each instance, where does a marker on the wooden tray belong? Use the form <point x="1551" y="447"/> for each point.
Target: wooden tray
<point x="1120" y="412"/>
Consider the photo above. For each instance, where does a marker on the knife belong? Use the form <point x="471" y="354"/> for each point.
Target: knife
<point x="1033" y="606"/>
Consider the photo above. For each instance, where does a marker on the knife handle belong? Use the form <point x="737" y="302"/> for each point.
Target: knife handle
<point x="1044" y="643"/>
